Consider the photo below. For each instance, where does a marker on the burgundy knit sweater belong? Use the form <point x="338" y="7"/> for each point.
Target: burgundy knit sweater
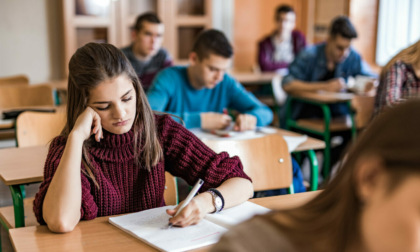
<point x="124" y="187"/>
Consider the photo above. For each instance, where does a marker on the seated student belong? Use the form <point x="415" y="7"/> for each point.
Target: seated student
<point x="326" y="66"/>
<point x="146" y="54"/>
<point x="371" y="205"/>
<point x="400" y="78"/>
<point x="112" y="154"/>
<point x="199" y="93"/>
<point x="277" y="50"/>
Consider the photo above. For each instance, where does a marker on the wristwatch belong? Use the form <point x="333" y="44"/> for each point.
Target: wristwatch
<point x="218" y="200"/>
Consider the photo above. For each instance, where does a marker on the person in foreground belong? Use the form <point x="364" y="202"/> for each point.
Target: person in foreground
<point x="113" y="152"/>
<point x="400" y="78"/>
<point x="201" y="92"/>
<point x="373" y="204"/>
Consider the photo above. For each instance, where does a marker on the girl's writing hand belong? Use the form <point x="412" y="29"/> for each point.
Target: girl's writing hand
<point x="190" y="215"/>
<point x="87" y="124"/>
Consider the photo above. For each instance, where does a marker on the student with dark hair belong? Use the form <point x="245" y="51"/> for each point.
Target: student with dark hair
<point x="146" y="54"/>
<point x="371" y="205"/>
<point x="277" y="50"/>
<point x="113" y="152"/>
<point x="200" y="92"/>
<point x="326" y="66"/>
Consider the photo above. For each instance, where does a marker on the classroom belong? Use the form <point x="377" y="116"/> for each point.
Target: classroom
<point x="209" y="125"/>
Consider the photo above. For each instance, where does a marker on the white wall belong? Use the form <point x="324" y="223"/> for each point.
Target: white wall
<point x="30" y="39"/>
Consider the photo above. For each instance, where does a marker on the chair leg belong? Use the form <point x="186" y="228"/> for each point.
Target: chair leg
<point x="327" y="156"/>
<point x="291" y="189"/>
<point x="314" y="169"/>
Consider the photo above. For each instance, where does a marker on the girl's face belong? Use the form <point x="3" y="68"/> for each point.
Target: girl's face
<point x="390" y="220"/>
<point x="115" y="102"/>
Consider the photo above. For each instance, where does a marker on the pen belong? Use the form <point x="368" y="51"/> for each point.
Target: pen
<point x="190" y="196"/>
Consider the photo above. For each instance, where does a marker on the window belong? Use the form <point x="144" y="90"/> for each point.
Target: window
<point x="398" y="27"/>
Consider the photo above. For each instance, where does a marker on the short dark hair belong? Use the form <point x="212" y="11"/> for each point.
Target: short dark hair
<point x="342" y="26"/>
<point x="212" y="41"/>
<point x="150" y="17"/>
<point x="284" y="8"/>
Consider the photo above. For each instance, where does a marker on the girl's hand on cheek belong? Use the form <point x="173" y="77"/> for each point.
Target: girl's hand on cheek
<point x="87" y="124"/>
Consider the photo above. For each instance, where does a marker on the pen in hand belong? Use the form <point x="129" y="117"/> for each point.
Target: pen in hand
<point x="190" y="196"/>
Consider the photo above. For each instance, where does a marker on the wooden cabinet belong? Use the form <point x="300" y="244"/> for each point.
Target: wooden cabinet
<point x="111" y="21"/>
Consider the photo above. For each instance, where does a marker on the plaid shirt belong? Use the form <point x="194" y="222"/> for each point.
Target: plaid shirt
<point x="399" y="84"/>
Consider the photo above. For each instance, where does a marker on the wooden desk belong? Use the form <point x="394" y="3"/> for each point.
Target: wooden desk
<point x="250" y="78"/>
<point x="308" y="146"/>
<point x="99" y="235"/>
<point x="325" y="125"/>
<point x="6" y="124"/>
<point x="20" y="166"/>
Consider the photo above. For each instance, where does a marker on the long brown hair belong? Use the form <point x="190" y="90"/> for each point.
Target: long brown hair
<point x="409" y="55"/>
<point x="91" y="65"/>
<point x="330" y="222"/>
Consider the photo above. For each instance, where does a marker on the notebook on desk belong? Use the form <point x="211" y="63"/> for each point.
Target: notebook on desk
<point x="150" y="226"/>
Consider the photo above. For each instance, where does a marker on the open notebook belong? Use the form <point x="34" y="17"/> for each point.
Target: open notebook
<point x="150" y="226"/>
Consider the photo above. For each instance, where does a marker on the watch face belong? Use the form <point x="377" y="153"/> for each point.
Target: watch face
<point x="218" y="202"/>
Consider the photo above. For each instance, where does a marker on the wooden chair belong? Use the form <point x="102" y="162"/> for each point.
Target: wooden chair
<point x="14" y="80"/>
<point x="171" y="190"/>
<point x="38" y="128"/>
<point x="265" y="159"/>
<point x="25" y="96"/>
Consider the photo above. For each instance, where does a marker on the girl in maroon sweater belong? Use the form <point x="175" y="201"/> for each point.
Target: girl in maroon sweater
<point x="112" y="155"/>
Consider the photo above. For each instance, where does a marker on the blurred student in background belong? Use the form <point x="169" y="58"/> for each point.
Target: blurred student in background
<point x="400" y="78"/>
<point x="278" y="50"/>
<point x="372" y="205"/>
<point x="201" y="92"/>
<point x="146" y="54"/>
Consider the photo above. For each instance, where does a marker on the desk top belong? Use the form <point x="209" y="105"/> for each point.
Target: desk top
<point x="251" y="78"/>
<point x="15" y="170"/>
<point x="22" y="165"/>
<point x="7" y="123"/>
<point x="325" y="97"/>
<point x="310" y="144"/>
<point x="99" y="235"/>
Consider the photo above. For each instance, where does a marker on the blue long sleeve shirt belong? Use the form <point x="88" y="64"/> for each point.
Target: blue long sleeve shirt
<point x="171" y="92"/>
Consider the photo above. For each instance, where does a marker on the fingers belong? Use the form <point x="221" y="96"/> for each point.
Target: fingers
<point x="190" y="215"/>
<point x="245" y="122"/>
<point x="214" y="121"/>
<point x="97" y="127"/>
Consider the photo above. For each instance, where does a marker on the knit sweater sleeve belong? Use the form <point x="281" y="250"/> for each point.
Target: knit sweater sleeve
<point x="189" y="158"/>
<point x="88" y="209"/>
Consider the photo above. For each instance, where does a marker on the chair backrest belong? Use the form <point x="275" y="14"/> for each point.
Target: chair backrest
<point x="265" y="159"/>
<point x="279" y="94"/>
<point x="364" y="106"/>
<point x="21" y="96"/>
<point x="14" y="80"/>
<point x="171" y="190"/>
<point x="38" y="128"/>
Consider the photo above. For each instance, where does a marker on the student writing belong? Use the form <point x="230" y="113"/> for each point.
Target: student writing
<point x="113" y="152"/>
<point x="199" y="92"/>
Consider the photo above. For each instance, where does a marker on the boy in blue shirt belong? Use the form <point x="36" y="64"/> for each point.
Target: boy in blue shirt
<point x="200" y="92"/>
